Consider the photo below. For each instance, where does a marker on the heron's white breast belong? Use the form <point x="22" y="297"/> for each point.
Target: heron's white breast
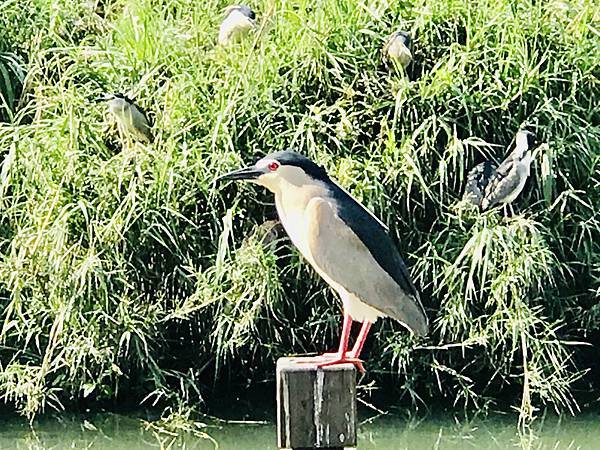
<point x="233" y="26"/>
<point x="121" y="109"/>
<point x="400" y="53"/>
<point x="291" y="205"/>
<point x="522" y="169"/>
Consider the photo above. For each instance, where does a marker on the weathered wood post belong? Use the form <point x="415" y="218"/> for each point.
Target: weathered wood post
<point x="316" y="406"/>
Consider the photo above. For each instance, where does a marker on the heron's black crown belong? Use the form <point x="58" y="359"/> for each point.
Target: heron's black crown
<point x="245" y="10"/>
<point x="404" y="36"/>
<point x="290" y="158"/>
<point x="122" y="96"/>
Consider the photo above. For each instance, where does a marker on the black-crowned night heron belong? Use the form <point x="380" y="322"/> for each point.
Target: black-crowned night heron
<point x="239" y="21"/>
<point x="131" y="119"/>
<point x="344" y="242"/>
<point x="397" y="49"/>
<point x="488" y="185"/>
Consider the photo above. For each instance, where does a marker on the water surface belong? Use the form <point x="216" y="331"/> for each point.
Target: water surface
<point x="127" y="432"/>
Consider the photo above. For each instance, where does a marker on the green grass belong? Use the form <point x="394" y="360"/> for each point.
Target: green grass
<point x="127" y="273"/>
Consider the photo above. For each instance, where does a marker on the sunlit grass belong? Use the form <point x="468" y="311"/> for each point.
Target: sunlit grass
<point x="126" y="272"/>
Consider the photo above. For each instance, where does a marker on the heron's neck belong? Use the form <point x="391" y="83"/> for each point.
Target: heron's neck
<point x="299" y="194"/>
<point x="293" y="199"/>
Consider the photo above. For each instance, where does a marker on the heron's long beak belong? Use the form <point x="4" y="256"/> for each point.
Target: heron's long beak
<point x="247" y="173"/>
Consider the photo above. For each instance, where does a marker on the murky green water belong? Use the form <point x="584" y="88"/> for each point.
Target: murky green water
<point x="121" y="432"/>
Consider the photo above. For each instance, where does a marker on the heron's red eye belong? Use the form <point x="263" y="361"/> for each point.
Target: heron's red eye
<point x="273" y="166"/>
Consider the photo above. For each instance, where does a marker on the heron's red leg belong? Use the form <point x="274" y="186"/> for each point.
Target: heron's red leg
<point x="345" y="336"/>
<point x="360" y="340"/>
<point x="342" y="357"/>
<point x="344" y="339"/>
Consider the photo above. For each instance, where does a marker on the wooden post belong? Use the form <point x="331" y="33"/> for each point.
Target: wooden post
<point x="316" y="406"/>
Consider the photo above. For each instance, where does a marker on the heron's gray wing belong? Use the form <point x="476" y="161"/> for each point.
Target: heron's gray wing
<point x="477" y="180"/>
<point x="344" y="200"/>
<point x="505" y="180"/>
<point x="340" y="255"/>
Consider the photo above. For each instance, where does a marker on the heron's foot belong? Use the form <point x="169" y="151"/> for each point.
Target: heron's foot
<point x="328" y="356"/>
<point x="318" y="358"/>
<point x="339" y="359"/>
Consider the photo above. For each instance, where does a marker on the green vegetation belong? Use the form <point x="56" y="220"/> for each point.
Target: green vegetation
<point x="127" y="273"/>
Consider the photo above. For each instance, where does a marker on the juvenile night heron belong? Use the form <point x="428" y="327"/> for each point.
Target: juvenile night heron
<point x="345" y="243"/>
<point x="239" y="21"/>
<point x="131" y="119"/>
<point x="508" y="180"/>
<point x="397" y="49"/>
<point x="477" y="181"/>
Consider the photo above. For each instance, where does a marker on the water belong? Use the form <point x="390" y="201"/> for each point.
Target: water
<point x="122" y="432"/>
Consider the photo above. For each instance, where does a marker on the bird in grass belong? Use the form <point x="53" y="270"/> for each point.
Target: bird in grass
<point x="345" y="243"/>
<point x="489" y="186"/>
<point x="131" y="118"/>
<point x="397" y="49"/>
<point x="239" y="21"/>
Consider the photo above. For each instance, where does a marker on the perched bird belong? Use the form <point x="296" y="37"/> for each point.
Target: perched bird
<point x="344" y="242"/>
<point x="239" y="21"/>
<point x="510" y="177"/>
<point x="131" y="118"/>
<point x="477" y="181"/>
<point x="397" y="49"/>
